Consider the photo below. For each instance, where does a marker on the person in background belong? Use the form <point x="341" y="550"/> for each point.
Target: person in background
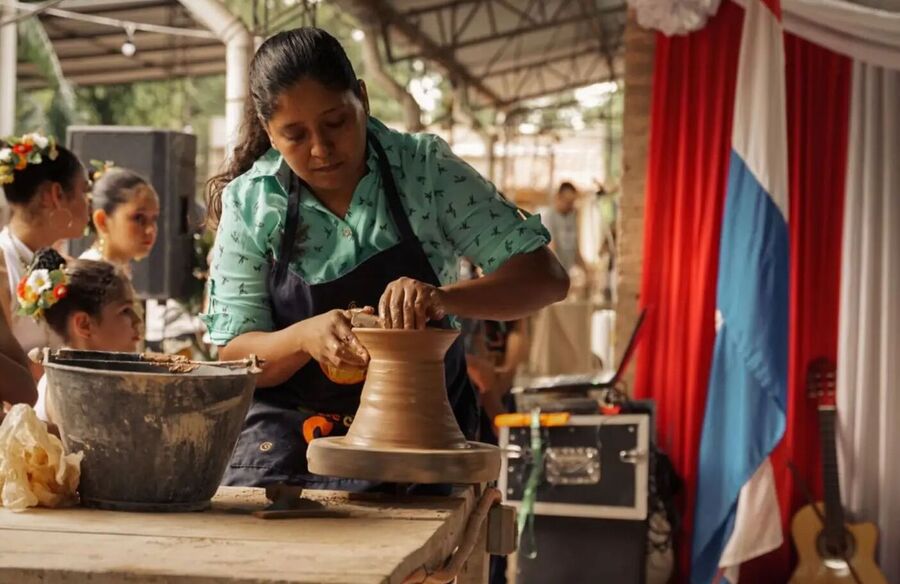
<point x="46" y="187"/>
<point x="124" y="220"/>
<point x="124" y="217"/>
<point x="494" y="352"/>
<point x="88" y="304"/>
<point x="561" y="219"/>
<point x="499" y="348"/>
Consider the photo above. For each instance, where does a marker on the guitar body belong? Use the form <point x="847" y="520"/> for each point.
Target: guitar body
<point x="813" y="568"/>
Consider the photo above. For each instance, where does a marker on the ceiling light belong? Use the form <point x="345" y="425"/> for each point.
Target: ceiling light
<point x="357" y="35"/>
<point x="128" y="47"/>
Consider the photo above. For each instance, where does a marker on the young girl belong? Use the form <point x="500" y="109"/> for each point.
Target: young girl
<point x="89" y="304"/>
<point x="126" y="209"/>
<point x="46" y="188"/>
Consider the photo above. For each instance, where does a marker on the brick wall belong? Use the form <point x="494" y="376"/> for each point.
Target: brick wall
<point x="639" y="52"/>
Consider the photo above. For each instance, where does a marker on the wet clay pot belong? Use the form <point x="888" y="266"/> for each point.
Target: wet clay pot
<point x="405" y="430"/>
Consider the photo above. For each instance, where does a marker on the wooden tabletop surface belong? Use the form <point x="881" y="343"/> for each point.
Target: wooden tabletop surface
<point x="376" y="540"/>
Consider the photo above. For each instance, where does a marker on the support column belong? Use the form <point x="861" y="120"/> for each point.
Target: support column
<point x="7" y="72"/>
<point x="640" y="46"/>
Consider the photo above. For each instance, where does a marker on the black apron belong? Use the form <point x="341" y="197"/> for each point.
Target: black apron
<point x="272" y="447"/>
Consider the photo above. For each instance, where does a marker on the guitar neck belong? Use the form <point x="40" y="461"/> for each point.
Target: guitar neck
<point x="834" y="511"/>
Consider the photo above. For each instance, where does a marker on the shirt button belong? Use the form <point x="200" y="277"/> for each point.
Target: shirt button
<point x="348" y="232"/>
<point x="265" y="446"/>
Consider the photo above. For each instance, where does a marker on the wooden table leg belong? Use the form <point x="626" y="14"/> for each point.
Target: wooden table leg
<point x="475" y="570"/>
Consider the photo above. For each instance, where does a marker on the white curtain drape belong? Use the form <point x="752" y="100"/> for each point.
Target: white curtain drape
<point x="869" y="346"/>
<point x="870" y="34"/>
<point x="864" y="33"/>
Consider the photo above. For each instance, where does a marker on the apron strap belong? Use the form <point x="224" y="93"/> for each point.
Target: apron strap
<point x="291" y="223"/>
<point x="401" y="221"/>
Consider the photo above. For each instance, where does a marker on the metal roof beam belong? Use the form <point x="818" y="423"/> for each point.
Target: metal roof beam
<point x="554" y="22"/>
<point x="116" y="77"/>
<point x="523" y="67"/>
<point x="375" y="11"/>
<point x="594" y="77"/>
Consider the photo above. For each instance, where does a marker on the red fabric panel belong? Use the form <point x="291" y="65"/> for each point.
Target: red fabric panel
<point x="818" y="101"/>
<point x="774" y="6"/>
<point x="690" y="144"/>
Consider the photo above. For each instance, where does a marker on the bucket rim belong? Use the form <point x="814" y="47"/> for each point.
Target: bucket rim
<point x="239" y="372"/>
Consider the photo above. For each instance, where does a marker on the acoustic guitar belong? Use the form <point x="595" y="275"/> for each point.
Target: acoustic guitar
<point x="831" y="550"/>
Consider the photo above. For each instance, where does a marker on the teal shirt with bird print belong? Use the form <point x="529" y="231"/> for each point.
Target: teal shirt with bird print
<point x="453" y="210"/>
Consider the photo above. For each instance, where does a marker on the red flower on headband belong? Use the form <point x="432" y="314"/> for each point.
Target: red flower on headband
<point x="60" y="291"/>
<point x="22" y="148"/>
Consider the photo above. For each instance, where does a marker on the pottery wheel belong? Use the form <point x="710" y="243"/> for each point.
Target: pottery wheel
<point x="404" y="430"/>
<point x="478" y="463"/>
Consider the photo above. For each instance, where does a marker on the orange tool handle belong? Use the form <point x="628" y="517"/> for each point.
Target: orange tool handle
<point x="522" y="420"/>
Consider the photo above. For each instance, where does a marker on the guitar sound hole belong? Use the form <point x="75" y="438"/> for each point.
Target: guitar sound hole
<point x="836" y="550"/>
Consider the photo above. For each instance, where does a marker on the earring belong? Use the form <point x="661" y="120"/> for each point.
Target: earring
<point x="101" y="246"/>
<point x="71" y="218"/>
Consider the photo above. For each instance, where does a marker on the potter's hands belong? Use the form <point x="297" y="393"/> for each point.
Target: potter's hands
<point x="327" y="338"/>
<point x="410" y="304"/>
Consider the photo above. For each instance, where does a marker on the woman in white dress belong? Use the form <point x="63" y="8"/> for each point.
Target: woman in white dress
<point x="46" y="188"/>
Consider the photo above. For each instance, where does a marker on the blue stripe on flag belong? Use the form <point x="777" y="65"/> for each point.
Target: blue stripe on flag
<point x="745" y="407"/>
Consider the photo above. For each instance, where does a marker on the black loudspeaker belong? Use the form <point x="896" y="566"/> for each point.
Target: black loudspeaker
<point x="168" y="160"/>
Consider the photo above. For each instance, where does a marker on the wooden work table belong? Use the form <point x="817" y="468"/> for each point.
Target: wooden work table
<point x="374" y="539"/>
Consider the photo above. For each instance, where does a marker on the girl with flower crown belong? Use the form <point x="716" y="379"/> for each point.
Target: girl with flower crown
<point x="88" y="304"/>
<point x="46" y="188"/>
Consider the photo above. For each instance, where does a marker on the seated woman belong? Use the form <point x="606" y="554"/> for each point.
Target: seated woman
<point x="89" y="304"/>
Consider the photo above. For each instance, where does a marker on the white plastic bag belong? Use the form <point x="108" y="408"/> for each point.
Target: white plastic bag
<point x="34" y="470"/>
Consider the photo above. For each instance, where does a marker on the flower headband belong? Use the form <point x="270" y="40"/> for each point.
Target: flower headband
<point x="20" y="152"/>
<point x="40" y="289"/>
<point x="100" y="167"/>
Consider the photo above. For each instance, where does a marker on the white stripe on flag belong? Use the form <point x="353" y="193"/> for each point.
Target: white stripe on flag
<point x="760" y="110"/>
<point x="757" y="525"/>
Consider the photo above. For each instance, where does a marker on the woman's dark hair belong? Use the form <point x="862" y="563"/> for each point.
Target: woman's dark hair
<point x="27" y="182"/>
<point x="115" y="187"/>
<point x="280" y="62"/>
<point x="92" y="285"/>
